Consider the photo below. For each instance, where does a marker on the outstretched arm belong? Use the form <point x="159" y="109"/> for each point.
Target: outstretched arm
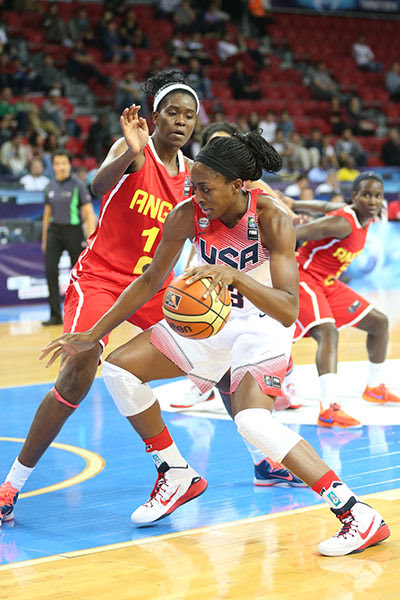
<point x="178" y="226"/>
<point x="125" y="152"/>
<point x="326" y="227"/>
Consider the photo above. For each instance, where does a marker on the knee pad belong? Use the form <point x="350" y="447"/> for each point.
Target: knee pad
<point x="130" y="395"/>
<point x="259" y="427"/>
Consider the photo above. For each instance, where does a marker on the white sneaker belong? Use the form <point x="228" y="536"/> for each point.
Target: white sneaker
<point x="172" y="489"/>
<point x="194" y="396"/>
<point x="362" y="527"/>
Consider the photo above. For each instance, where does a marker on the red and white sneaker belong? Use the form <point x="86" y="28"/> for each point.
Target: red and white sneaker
<point x="8" y="498"/>
<point x="334" y="416"/>
<point x="193" y="397"/>
<point x="362" y="527"/>
<point x="173" y="488"/>
<point x="380" y="395"/>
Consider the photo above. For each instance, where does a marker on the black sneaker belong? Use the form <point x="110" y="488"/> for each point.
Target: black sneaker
<point x="53" y="321"/>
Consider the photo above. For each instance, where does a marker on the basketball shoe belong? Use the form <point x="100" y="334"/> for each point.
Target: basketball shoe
<point x="174" y="487"/>
<point x="8" y="498"/>
<point x="268" y="472"/>
<point x="193" y="397"/>
<point x="380" y="395"/>
<point x="362" y="527"/>
<point x="334" y="416"/>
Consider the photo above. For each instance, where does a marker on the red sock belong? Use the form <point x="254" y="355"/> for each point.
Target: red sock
<point x="159" y="442"/>
<point x="325" y="482"/>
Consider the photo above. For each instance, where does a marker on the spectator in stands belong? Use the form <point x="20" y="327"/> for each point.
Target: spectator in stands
<point x="115" y="49"/>
<point x="195" y="48"/>
<point x="176" y="46"/>
<point x="330" y="187"/>
<point x="338" y="116"/>
<point x="166" y="8"/>
<point x="357" y="118"/>
<point x="100" y="137"/>
<point x="214" y="19"/>
<point x="346" y="146"/>
<point x="364" y="56"/>
<point x="138" y="39"/>
<point x="268" y="125"/>
<point x="79" y="27"/>
<point x="322" y="84"/>
<point x="281" y="146"/>
<point x="54" y="27"/>
<point x="392" y="82"/>
<point x="48" y="76"/>
<point x="35" y="123"/>
<point x="390" y="153"/>
<point x="14" y="155"/>
<point x="7" y="128"/>
<point x="81" y="65"/>
<point x="303" y="158"/>
<point x="228" y="47"/>
<point x="241" y="83"/>
<point x="35" y="180"/>
<point x="129" y="91"/>
<point x="348" y="171"/>
<point x="285" y="123"/>
<point x="63" y="218"/>
<point x="253" y="120"/>
<point x="20" y="79"/>
<point x="5" y="105"/>
<point x="155" y="67"/>
<point x="300" y="190"/>
<point x="328" y="149"/>
<point x="242" y="124"/>
<point x="184" y="17"/>
<point x="319" y="173"/>
<point x="51" y="145"/>
<point x="196" y="78"/>
<point x="51" y="110"/>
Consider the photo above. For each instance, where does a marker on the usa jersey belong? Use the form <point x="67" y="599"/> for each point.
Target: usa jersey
<point x="131" y="220"/>
<point x="328" y="258"/>
<point x="239" y="248"/>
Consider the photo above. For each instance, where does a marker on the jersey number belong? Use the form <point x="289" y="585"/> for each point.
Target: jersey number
<point x="236" y="297"/>
<point x="151" y="235"/>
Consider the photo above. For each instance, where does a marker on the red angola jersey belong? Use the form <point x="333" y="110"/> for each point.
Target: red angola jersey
<point x="131" y="220"/>
<point x="239" y="248"/>
<point x="328" y="258"/>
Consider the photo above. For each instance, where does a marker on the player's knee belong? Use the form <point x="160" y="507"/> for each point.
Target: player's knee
<point x="129" y="393"/>
<point x="326" y="332"/>
<point x="259" y="427"/>
<point x="379" y="323"/>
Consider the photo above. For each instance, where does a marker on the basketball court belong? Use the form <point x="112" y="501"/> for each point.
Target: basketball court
<point x="72" y="536"/>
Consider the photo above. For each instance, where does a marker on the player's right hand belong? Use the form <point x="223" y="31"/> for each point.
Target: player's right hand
<point x="134" y="128"/>
<point x="68" y="344"/>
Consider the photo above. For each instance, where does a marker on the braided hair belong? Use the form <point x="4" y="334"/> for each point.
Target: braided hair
<point x="242" y="156"/>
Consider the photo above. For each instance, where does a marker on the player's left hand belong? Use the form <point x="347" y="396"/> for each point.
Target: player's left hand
<point x="221" y="275"/>
<point x="68" y="344"/>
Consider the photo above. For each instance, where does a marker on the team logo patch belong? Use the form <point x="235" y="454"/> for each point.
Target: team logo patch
<point x="333" y="498"/>
<point x="272" y="381"/>
<point x="173" y="300"/>
<point x="187" y="186"/>
<point x="353" y="307"/>
<point x="203" y="222"/>
<point x="252" y="229"/>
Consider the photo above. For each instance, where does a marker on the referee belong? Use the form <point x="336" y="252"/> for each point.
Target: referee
<point x="67" y="206"/>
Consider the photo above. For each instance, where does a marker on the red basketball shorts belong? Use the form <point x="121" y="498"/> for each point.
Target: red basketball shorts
<point x="320" y="303"/>
<point x="88" y="298"/>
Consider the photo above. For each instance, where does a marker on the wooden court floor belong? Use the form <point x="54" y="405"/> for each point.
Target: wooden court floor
<point x="267" y="557"/>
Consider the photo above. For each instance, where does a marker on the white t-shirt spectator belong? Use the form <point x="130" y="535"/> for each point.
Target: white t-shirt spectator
<point x="34" y="184"/>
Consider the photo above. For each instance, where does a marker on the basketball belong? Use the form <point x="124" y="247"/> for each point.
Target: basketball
<point x="192" y="316"/>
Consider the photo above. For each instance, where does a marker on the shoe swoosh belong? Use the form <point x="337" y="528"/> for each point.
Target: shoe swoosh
<point x="363" y="535"/>
<point x="330" y="420"/>
<point x="168" y="500"/>
<point x="261" y="315"/>
<point x="288" y="477"/>
<point x="377" y="396"/>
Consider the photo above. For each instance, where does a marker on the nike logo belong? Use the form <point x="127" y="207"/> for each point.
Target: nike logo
<point x="168" y="500"/>
<point x="364" y="535"/>
<point x="330" y="420"/>
<point x="261" y="315"/>
<point x="288" y="477"/>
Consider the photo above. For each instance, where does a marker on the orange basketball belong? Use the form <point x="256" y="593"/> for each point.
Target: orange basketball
<point x="191" y="315"/>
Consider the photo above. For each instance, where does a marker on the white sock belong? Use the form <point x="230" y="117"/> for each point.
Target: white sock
<point x="375" y="373"/>
<point x="18" y="474"/>
<point x="290" y="377"/>
<point x="328" y="384"/>
<point x="337" y="494"/>
<point x="170" y="455"/>
<point x="256" y="454"/>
